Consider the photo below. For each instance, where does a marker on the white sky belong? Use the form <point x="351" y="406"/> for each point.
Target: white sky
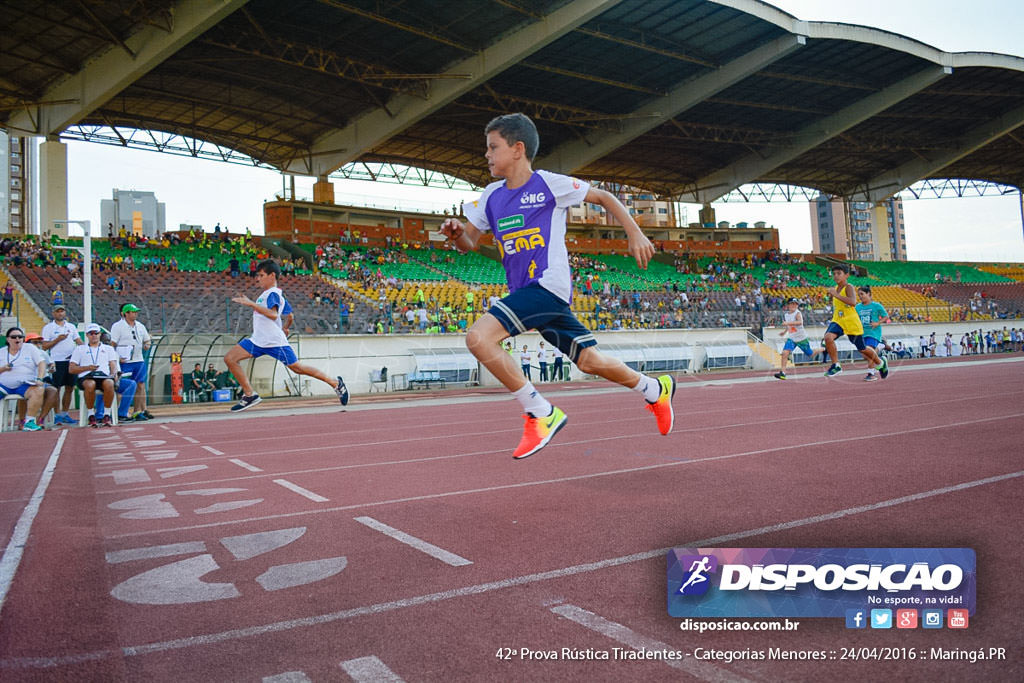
<point x="970" y="229"/>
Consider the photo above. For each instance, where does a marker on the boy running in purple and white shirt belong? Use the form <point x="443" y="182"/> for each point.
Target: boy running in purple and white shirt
<point x="526" y="211"/>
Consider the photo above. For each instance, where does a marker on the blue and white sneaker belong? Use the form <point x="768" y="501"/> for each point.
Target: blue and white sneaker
<point x="64" y="419"/>
<point x="833" y="370"/>
<point x="246" y="402"/>
<point x="342" y="391"/>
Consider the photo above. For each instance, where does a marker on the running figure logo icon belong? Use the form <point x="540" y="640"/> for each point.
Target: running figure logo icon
<point x="696" y="581"/>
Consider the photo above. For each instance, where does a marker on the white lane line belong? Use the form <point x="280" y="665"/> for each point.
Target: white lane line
<point x="370" y="670"/>
<point x="480" y="588"/>
<point x="165" y="427"/>
<point x="306" y="493"/>
<point x="175" y="433"/>
<point x="288" y="677"/>
<point x="630" y="638"/>
<point x="213" y="450"/>
<point x="190" y="439"/>
<point x="682" y="461"/>
<point x="679" y="430"/>
<point x="245" y="465"/>
<point x="16" y="546"/>
<point x="117" y="556"/>
<point x="421" y="545"/>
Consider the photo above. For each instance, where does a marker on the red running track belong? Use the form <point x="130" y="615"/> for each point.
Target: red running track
<point x="402" y="542"/>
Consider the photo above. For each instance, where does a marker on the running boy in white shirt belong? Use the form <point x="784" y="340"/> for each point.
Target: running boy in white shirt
<point x="271" y="319"/>
<point x="793" y="321"/>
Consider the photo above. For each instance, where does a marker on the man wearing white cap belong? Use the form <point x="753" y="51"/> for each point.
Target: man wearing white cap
<point x="96" y="366"/>
<point x="59" y="339"/>
<point x="132" y="340"/>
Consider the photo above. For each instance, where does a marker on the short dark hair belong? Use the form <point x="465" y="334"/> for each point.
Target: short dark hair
<point x="841" y="266"/>
<point x="12" y="328"/>
<point x="270" y="267"/>
<point x="516" y="128"/>
<point x="864" y="288"/>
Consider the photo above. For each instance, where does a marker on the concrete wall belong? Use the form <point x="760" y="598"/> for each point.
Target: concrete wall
<point x="355" y="357"/>
<point x="910" y="330"/>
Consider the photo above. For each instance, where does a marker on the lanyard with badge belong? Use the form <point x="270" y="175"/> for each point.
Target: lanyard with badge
<point x="95" y="359"/>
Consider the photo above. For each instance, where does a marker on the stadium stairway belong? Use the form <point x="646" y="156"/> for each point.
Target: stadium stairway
<point x="770" y="355"/>
<point x="28" y="315"/>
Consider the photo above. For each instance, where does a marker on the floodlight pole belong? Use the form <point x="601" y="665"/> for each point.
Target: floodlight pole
<point x="86" y="252"/>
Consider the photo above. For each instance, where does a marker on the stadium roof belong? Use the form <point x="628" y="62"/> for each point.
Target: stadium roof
<point x="685" y="98"/>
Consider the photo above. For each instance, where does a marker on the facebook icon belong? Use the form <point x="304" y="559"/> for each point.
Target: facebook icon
<point x="856" y="618"/>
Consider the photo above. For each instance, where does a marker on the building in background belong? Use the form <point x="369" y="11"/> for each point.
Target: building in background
<point x="14" y="185"/>
<point x="859" y="230"/>
<point x="139" y="212"/>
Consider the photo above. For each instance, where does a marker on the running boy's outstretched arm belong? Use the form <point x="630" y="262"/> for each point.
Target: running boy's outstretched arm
<point x="262" y="310"/>
<point x="640" y="247"/>
<point x="463" y="235"/>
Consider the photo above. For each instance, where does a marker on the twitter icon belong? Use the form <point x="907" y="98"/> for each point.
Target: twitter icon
<point x="881" y="618"/>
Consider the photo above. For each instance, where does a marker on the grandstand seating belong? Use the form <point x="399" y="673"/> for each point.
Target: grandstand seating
<point x="1012" y="272"/>
<point x="182" y="301"/>
<point x="1008" y="296"/>
<point x="922" y="272"/>
<point x="366" y="277"/>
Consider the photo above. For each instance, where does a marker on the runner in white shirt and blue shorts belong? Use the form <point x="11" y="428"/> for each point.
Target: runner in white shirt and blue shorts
<point x="271" y="319"/>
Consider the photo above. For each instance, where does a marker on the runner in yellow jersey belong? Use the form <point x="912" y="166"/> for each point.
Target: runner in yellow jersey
<point x="845" y="320"/>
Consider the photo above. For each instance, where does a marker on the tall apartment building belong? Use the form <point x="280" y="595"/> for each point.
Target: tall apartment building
<point x="14" y="185"/>
<point x="647" y="211"/>
<point x="859" y="230"/>
<point x="139" y="212"/>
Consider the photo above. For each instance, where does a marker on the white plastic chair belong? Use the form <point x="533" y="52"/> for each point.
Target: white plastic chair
<point x="9" y="413"/>
<point x="83" y="410"/>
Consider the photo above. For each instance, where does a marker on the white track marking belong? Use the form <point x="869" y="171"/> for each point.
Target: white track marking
<point x="478" y="589"/>
<point x="630" y="638"/>
<point x="421" y="545"/>
<point x="212" y="450"/>
<point x="305" y="493"/>
<point x="244" y="465"/>
<point x="118" y="556"/>
<point x="578" y="477"/>
<point x="679" y="430"/>
<point x="369" y="670"/>
<point x="16" y="546"/>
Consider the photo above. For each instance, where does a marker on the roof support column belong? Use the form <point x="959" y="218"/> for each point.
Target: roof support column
<point x="753" y="166"/>
<point x="53" y="187"/>
<point x="928" y="164"/>
<point x="575" y="155"/>
<point x="339" y="147"/>
<point x="113" y="71"/>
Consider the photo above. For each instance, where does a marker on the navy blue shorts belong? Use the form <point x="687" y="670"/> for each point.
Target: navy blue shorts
<point x="856" y="339"/>
<point x="535" y="308"/>
<point x="872" y="342"/>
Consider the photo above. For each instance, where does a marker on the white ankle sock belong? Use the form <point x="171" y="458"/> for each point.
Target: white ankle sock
<point x="649" y="387"/>
<point x="532" y="402"/>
